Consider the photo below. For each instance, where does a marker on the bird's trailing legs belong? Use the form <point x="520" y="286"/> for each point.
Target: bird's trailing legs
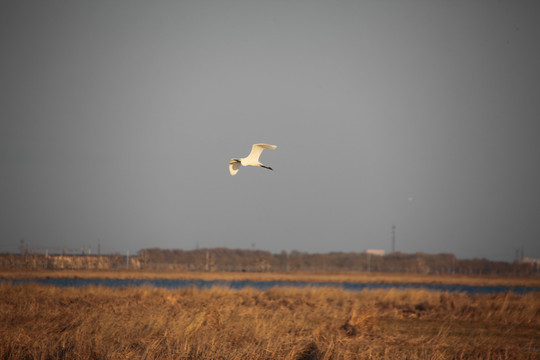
<point x="266" y="167"/>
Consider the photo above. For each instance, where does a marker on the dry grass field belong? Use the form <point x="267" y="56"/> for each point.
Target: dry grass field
<point x="46" y="322"/>
<point x="350" y="277"/>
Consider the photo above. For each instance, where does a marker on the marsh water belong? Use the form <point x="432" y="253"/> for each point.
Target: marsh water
<point x="264" y="285"/>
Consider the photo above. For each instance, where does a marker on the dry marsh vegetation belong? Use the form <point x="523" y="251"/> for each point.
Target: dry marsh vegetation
<point x="338" y="277"/>
<point x="45" y="322"/>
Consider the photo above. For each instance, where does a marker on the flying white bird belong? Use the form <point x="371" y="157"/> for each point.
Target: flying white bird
<point x="252" y="159"/>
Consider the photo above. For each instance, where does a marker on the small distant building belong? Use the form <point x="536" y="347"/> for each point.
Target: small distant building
<point x="532" y="261"/>
<point x="378" y="252"/>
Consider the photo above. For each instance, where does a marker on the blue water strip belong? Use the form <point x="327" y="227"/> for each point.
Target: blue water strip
<point x="264" y="285"/>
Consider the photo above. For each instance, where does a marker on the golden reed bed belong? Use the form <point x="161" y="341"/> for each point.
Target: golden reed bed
<point x="45" y="322"/>
<point x="351" y="277"/>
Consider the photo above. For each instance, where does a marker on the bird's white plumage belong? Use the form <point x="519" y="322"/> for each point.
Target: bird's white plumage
<point x="234" y="166"/>
<point x="252" y="159"/>
<point x="256" y="150"/>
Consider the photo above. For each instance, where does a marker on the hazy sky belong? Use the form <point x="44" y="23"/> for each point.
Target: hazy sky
<point x="118" y="119"/>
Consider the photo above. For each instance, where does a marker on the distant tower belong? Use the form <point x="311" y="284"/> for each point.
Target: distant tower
<point x="393" y="238"/>
<point x="23" y="248"/>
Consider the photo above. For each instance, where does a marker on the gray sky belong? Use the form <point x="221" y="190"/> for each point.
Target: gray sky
<point x="118" y="119"/>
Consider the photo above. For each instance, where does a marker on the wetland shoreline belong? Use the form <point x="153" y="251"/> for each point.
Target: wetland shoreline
<point x="314" y="277"/>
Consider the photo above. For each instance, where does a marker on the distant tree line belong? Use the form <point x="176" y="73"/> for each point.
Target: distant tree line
<point x="223" y="259"/>
<point x="34" y="261"/>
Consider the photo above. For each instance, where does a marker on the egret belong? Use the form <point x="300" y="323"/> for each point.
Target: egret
<point x="252" y="159"/>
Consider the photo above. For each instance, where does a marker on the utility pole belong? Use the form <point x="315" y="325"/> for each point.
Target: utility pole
<point x="24" y="247"/>
<point x="393" y="238"/>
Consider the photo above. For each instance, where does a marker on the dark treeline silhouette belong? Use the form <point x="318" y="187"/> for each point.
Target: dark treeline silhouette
<point x="223" y="259"/>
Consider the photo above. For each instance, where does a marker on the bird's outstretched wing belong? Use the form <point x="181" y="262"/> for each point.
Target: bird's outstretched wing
<point x="234" y="165"/>
<point x="256" y="151"/>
